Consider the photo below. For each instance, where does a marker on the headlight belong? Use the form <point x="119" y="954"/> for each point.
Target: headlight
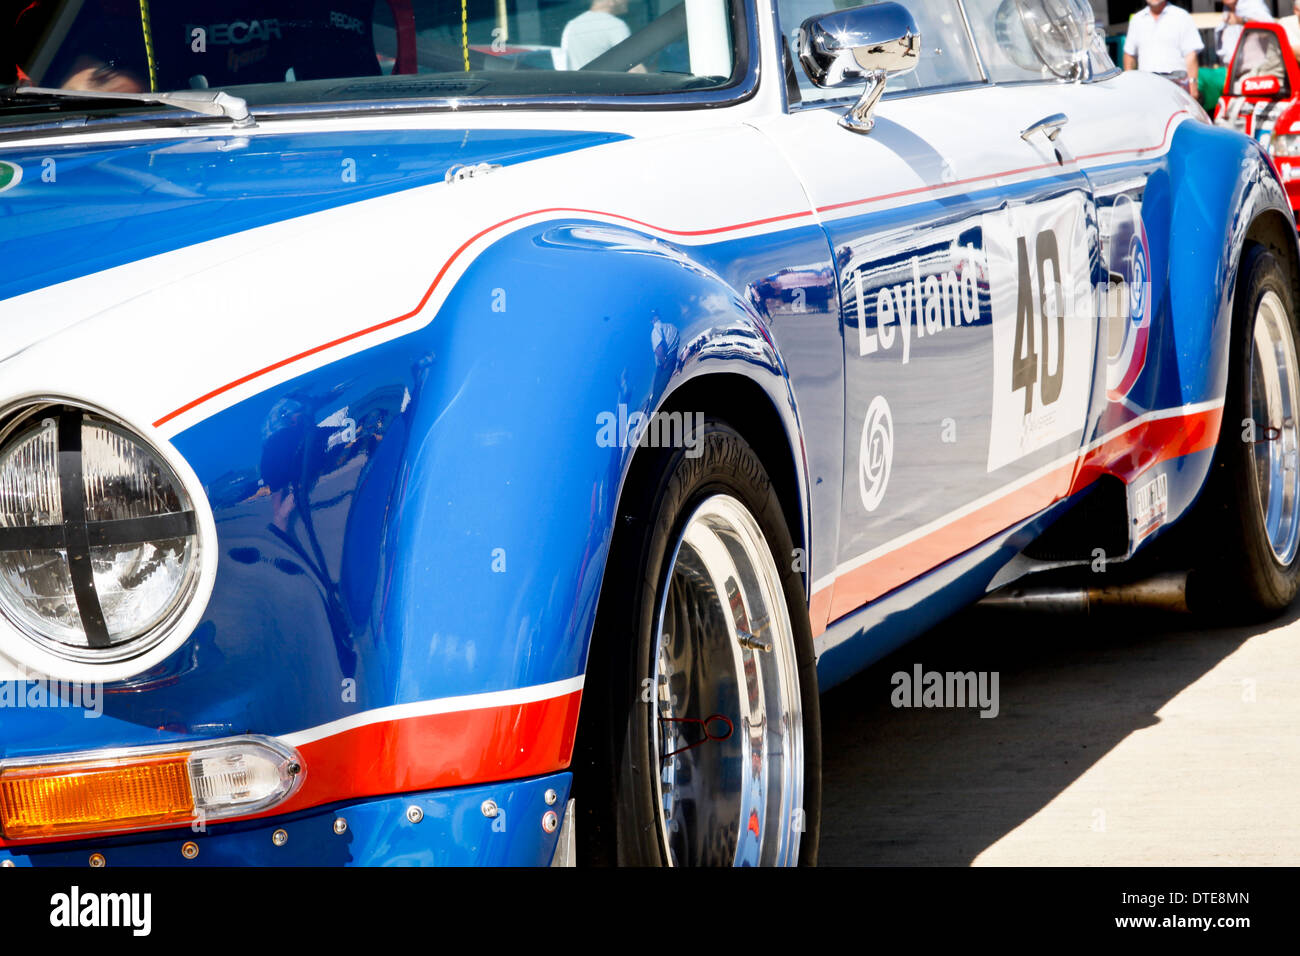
<point x="1060" y="31"/>
<point x="99" y="543"/>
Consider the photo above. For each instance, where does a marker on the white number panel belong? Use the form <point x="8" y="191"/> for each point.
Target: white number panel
<point x="1040" y="279"/>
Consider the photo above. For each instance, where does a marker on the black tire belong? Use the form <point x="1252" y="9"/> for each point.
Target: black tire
<point x="616" y="775"/>
<point x="1239" y="578"/>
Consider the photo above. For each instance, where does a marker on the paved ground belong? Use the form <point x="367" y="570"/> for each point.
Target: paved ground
<point x="1136" y="740"/>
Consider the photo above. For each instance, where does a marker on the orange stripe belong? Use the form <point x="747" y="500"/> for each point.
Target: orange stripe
<point x="1125" y="456"/>
<point x="868" y="582"/>
<point x="819" y="609"/>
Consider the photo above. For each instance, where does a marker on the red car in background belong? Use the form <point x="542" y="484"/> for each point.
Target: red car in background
<point x="1261" y="96"/>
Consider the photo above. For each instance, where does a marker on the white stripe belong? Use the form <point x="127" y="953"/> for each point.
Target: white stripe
<point x="1007" y="490"/>
<point x="442" y="705"/>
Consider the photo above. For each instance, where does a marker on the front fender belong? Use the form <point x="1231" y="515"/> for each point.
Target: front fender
<point x="550" y="346"/>
<point x="1216" y="186"/>
<point x="413" y="538"/>
<point x="1201" y="204"/>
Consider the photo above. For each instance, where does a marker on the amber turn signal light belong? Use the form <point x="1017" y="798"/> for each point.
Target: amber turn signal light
<point x="146" y="788"/>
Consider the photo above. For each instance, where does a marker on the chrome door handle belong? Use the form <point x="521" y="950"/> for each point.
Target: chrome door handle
<point x="1049" y="125"/>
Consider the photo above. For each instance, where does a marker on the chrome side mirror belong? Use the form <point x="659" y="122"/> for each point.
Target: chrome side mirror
<point x="871" y="43"/>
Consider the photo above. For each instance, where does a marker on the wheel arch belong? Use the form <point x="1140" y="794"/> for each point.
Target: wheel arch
<point x="744" y="405"/>
<point x="1277" y="232"/>
<point x="1213" y="195"/>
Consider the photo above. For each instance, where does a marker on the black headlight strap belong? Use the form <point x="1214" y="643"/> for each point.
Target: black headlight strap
<point x="72" y="496"/>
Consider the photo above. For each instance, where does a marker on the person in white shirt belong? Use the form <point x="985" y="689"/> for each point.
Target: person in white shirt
<point x="590" y="34"/>
<point x="1163" y="39"/>
<point x="1236" y="13"/>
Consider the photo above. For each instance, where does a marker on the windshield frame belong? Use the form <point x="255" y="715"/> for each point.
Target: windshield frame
<point x="743" y="86"/>
<point x="851" y="95"/>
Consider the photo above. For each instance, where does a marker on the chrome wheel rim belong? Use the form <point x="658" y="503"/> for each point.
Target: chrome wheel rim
<point x="1274" y="396"/>
<point x="725" y="717"/>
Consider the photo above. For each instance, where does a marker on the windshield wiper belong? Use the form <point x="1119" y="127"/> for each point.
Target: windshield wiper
<point x="208" y="102"/>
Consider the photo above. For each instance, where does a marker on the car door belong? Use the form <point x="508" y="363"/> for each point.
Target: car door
<point x="965" y="256"/>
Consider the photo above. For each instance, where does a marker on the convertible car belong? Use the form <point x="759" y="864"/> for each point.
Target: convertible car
<point x="415" y="450"/>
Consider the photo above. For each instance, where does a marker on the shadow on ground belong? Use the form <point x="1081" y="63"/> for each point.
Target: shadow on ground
<point x="939" y="786"/>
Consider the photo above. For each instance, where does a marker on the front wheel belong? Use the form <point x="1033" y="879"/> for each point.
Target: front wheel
<point x="702" y="743"/>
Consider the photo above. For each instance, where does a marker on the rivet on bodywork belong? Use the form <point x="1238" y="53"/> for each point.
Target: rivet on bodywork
<point x="550" y="821"/>
<point x="550" y="796"/>
<point x="340" y="825"/>
<point x="414" y="814"/>
<point x="97" y="860"/>
<point x="490" y="808"/>
<point x="280" y="837"/>
<point x="189" y="849"/>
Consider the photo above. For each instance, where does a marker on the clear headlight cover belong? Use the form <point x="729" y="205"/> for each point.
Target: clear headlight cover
<point x="98" y="539"/>
<point x="1060" y="32"/>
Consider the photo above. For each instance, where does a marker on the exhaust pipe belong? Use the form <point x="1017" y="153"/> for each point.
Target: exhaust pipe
<point x="1166" y="592"/>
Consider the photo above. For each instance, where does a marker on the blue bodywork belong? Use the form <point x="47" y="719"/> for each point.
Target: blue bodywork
<point x="451" y="831"/>
<point x="456" y="543"/>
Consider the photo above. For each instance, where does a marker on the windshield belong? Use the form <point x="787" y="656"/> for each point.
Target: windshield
<point x="273" y="52"/>
<point x="1259" y="66"/>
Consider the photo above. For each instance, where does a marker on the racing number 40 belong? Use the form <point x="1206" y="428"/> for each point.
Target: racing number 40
<point x="1025" y="359"/>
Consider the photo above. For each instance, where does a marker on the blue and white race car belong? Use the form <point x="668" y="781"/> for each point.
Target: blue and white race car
<point x="416" y="448"/>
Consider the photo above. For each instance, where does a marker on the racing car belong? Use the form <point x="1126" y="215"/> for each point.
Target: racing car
<point x="1261" y="96"/>
<point x="410" y="460"/>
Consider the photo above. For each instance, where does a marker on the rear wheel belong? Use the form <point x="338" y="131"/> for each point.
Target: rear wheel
<point x="700" y="737"/>
<point x="1253" y="499"/>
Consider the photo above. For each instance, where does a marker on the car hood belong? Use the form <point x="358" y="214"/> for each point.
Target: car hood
<point x="71" y="210"/>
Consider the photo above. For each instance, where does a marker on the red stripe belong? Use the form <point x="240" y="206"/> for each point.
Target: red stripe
<point x="1130" y="454"/>
<point x="1144" y="149"/>
<point x="718" y="230"/>
<point x="1125" y="456"/>
<point x="438" y="750"/>
<point x="929" y="189"/>
<point x="426" y="753"/>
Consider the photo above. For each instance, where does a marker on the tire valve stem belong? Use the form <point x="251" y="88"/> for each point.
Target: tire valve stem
<point x="753" y="642"/>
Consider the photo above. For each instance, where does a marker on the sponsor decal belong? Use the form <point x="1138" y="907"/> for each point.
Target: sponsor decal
<point x="11" y="174"/>
<point x="1127" y="300"/>
<point x="930" y="293"/>
<point x="236" y="33"/>
<point x="342" y="21"/>
<point x="875" y="453"/>
<point x="1150" y="505"/>
<point x="1261" y="85"/>
<point x="235" y="61"/>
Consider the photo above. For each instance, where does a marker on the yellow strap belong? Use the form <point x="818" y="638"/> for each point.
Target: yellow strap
<point x="464" y="30"/>
<point x="148" y="45"/>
